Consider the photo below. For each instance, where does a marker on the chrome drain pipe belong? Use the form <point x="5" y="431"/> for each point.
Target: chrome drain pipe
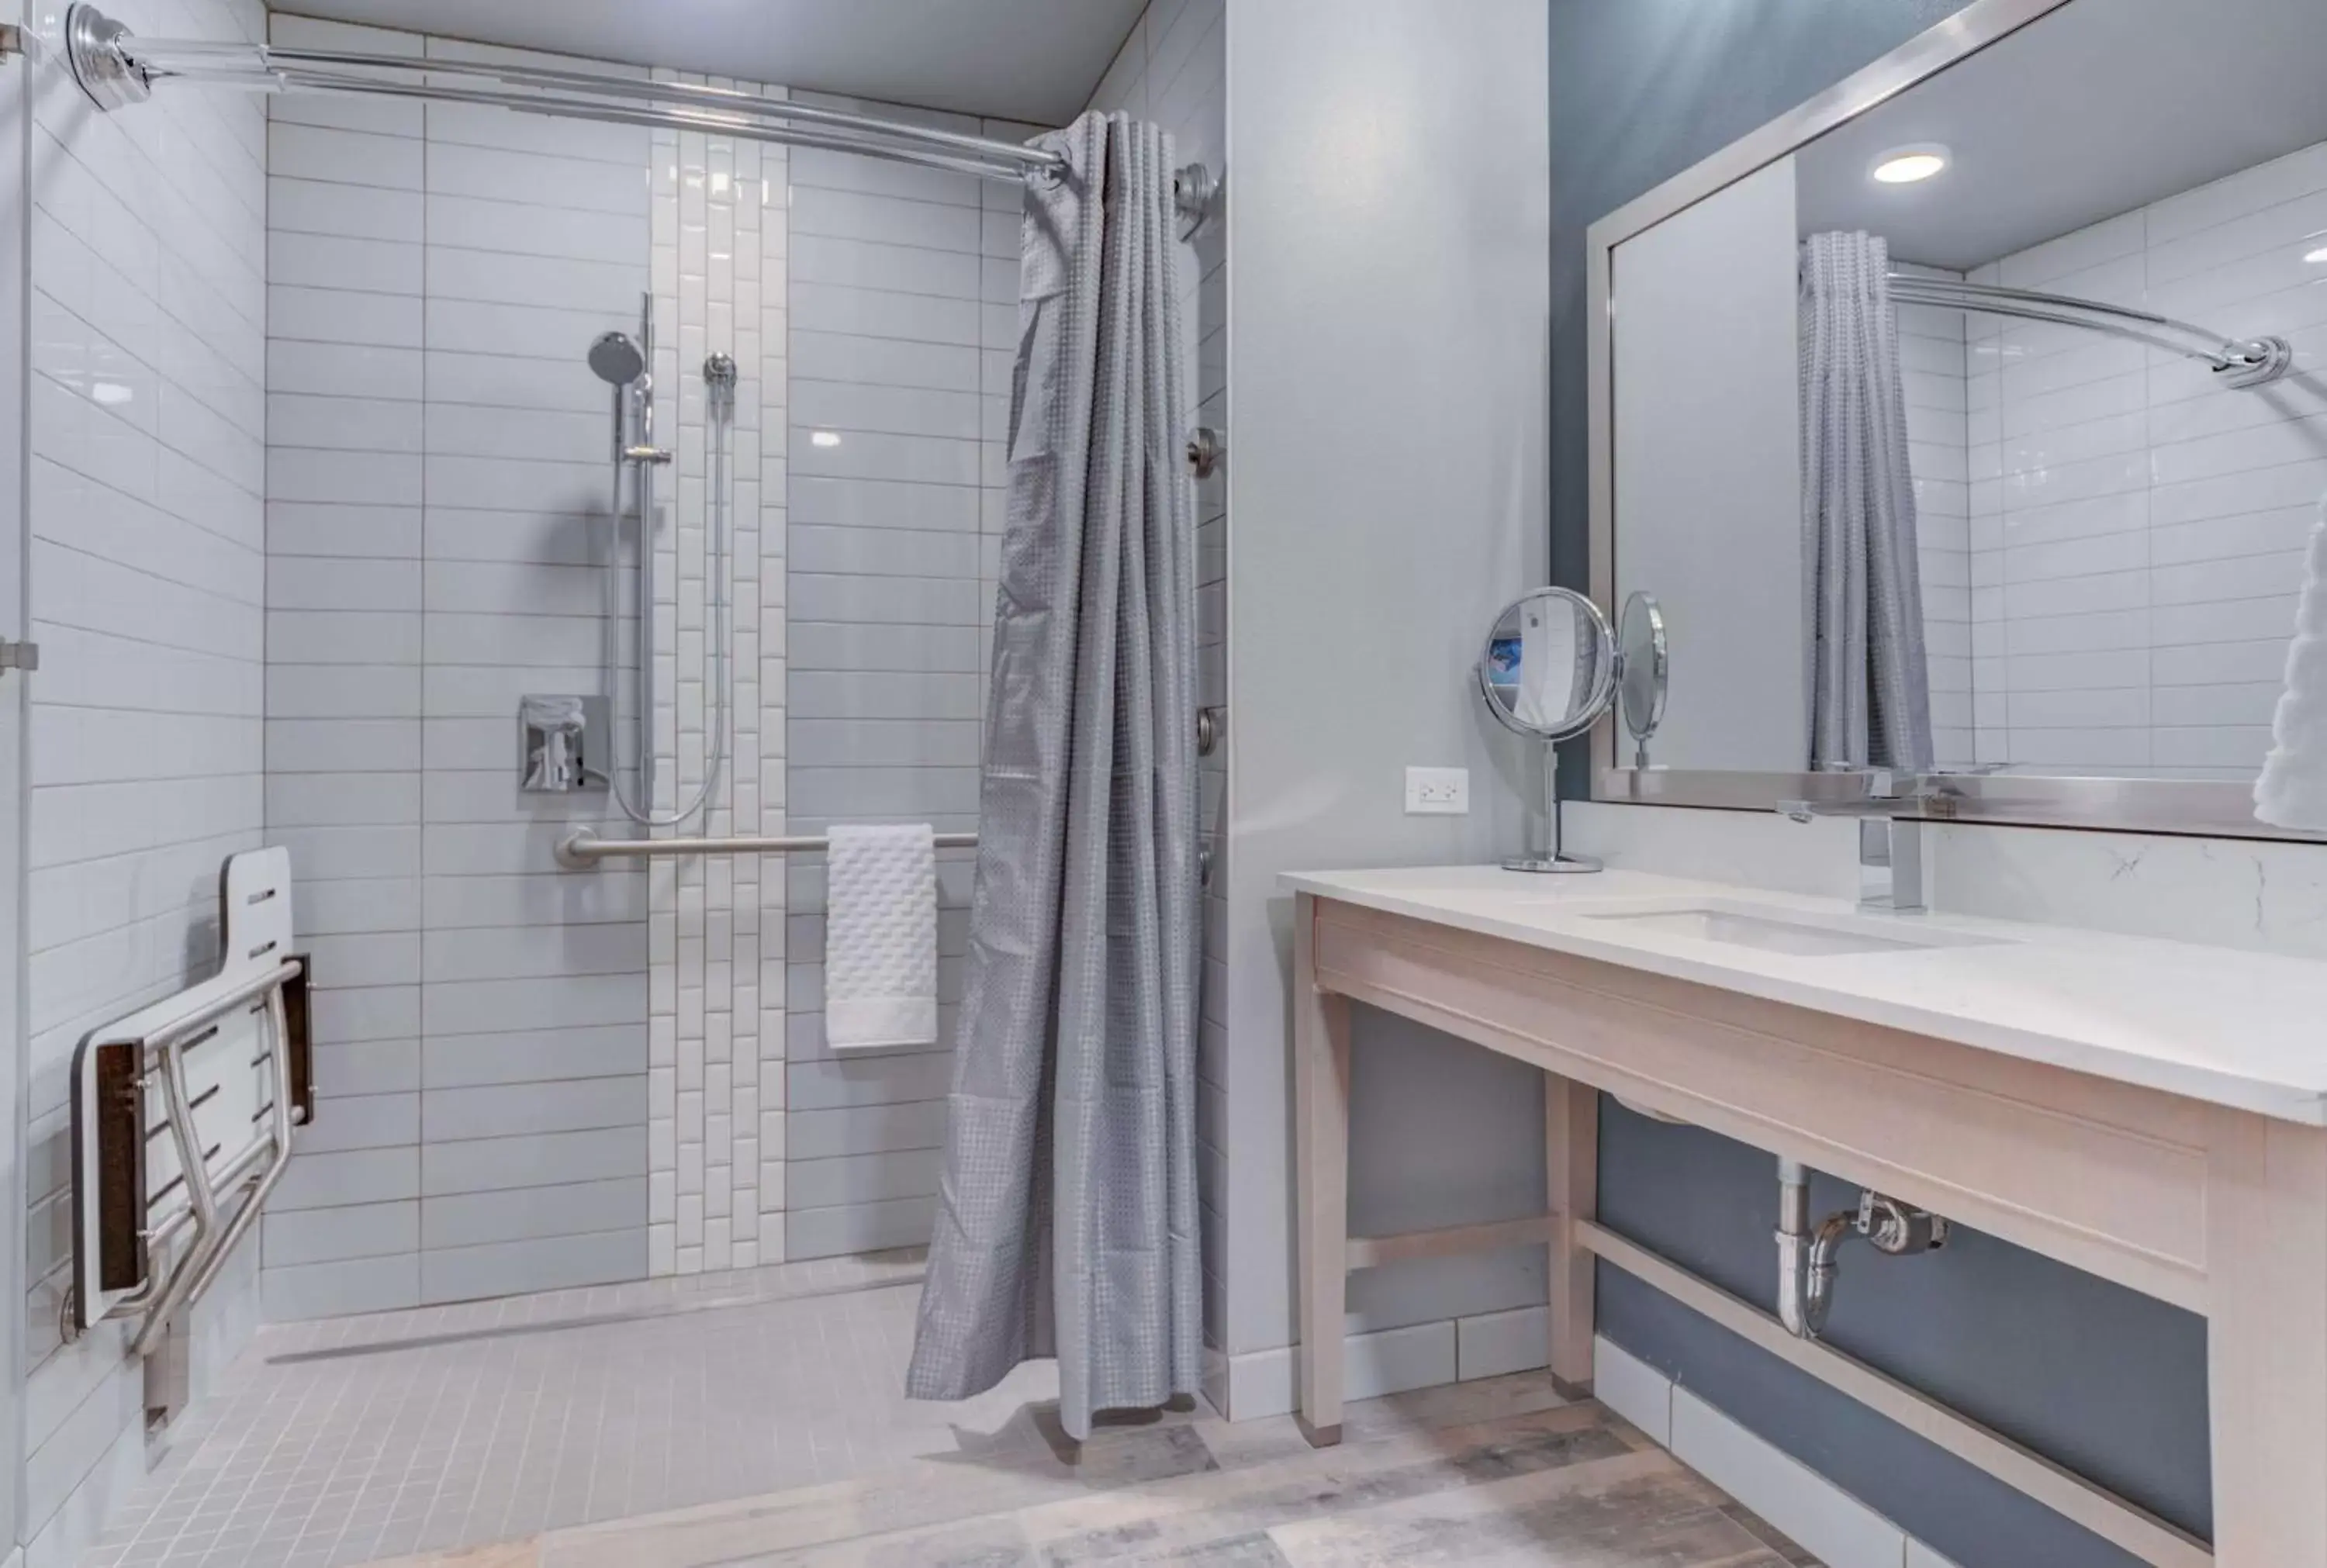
<point x="1794" y="1236"/>
<point x="1808" y="1261"/>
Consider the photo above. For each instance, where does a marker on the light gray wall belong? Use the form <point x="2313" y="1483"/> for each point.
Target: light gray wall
<point x="1386" y="356"/>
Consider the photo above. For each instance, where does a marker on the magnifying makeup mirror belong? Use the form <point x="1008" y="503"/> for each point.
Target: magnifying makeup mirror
<point x="1552" y="667"/>
<point x="1549" y="670"/>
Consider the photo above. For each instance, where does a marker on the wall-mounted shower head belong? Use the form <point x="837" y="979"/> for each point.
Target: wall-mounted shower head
<point x="616" y="358"/>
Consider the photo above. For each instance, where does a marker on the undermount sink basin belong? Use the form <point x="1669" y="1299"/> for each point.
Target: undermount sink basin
<point x="1770" y="932"/>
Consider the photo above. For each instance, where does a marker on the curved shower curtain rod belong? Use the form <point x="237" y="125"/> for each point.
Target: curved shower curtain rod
<point x="115" y="67"/>
<point x="2240" y="362"/>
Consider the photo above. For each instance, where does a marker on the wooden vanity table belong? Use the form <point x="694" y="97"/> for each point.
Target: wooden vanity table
<point x="2031" y="1084"/>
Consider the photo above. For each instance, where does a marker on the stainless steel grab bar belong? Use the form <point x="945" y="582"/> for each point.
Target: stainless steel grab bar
<point x="583" y="847"/>
<point x="193" y="1022"/>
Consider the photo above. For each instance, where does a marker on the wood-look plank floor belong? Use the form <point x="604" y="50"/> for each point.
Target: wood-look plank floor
<point x="1483" y="1475"/>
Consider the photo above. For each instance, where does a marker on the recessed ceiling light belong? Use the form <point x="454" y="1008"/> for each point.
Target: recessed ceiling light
<point x="824" y="438"/>
<point x="1906" y="165"/>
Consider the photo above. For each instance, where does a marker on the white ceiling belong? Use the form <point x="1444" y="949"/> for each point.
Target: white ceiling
<point x="2102" y="107"/>
<point x="1034" y="61"/>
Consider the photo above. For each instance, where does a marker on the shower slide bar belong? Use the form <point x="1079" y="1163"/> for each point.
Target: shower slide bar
<point x="229" y="1063"/>
<point x="2241" y="362"/>
<point x="116" y="67"/>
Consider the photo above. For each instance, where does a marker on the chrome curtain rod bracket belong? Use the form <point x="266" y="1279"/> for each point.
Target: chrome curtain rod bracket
<point x="1195" y="190"/>
<point x="2241" y="362"/>
<point x="93" y="48"/>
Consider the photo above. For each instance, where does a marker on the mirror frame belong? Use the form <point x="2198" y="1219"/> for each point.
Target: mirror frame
<point x="2213" y="808"/>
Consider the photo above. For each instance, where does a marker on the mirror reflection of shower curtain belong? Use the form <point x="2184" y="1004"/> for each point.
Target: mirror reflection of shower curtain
<point x="1868" y="687"/>
<point x="1067" y="1219"/>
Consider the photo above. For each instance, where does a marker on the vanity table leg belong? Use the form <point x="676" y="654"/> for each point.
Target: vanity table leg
<point x="1571" y="1160"/>
<point x="2266" y="1340"/>
<point x="1321" y="1126"/>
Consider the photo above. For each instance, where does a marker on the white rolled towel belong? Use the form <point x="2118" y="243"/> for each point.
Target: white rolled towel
<point x="2292" y="791"/>
<point x="881" y="938"/>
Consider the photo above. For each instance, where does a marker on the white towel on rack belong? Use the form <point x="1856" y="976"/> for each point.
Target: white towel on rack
<point x="2293" y="790"/>
<point x="881" y="938"/>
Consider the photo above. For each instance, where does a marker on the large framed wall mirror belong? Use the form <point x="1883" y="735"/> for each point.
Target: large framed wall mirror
<point x="1971" y="429"/>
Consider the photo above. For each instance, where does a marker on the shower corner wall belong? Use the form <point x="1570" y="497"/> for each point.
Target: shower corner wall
<point x="145" y="472"/>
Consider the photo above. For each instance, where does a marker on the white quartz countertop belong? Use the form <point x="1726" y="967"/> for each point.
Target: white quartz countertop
<point x="2239" y="1029"/>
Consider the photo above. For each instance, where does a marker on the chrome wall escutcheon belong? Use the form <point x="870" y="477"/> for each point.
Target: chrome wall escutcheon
<point x="1204" y="451"/>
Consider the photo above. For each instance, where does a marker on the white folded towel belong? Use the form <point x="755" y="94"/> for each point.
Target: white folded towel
<point x="881" y="938"/>
<point x="2293" y="790"/>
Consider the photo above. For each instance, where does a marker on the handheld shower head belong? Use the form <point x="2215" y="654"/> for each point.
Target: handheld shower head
<point x="616" y="358"/>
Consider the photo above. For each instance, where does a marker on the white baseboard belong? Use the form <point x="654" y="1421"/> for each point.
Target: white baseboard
<point x="1259" y="1383"/>
<point x="1832" y="1526"/>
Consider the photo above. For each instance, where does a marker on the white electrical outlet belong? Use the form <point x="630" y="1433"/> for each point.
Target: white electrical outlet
<point x="1438" y="791"/>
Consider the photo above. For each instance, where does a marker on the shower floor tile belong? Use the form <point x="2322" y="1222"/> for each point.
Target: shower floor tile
<point x="758" y="1417"/>
<point x="357" y="1439"/>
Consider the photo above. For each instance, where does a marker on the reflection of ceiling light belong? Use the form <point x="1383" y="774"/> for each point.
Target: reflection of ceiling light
<point x="111" y="393"/>
<point x="2318" y="257"/>
<point x="1906" y="165"/>
<point x="824" y="438"/>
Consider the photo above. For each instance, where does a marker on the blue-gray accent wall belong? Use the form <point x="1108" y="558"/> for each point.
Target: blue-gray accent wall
<point x="2101" y="1379"/>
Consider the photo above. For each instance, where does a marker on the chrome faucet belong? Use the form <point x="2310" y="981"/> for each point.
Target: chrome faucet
<point x="1889" y="841"/>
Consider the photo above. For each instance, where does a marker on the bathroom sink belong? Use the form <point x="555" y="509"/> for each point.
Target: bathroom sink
<point x="1767" y="931"/>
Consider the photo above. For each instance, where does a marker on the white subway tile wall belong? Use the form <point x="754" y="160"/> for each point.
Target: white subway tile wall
<point x="1931" y="357"/>
<point x="147" y="565"/>
<point x="903" y="331"/>
<point x="2136" y="529"/>
<point x="1171" y="70"/>
<point x="715" y="1181"/>
<point x="436" y="508"/>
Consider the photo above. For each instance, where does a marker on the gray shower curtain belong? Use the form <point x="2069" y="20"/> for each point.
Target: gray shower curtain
<point x="1067" y="1219"/>
<point x="1869" y="688"/>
